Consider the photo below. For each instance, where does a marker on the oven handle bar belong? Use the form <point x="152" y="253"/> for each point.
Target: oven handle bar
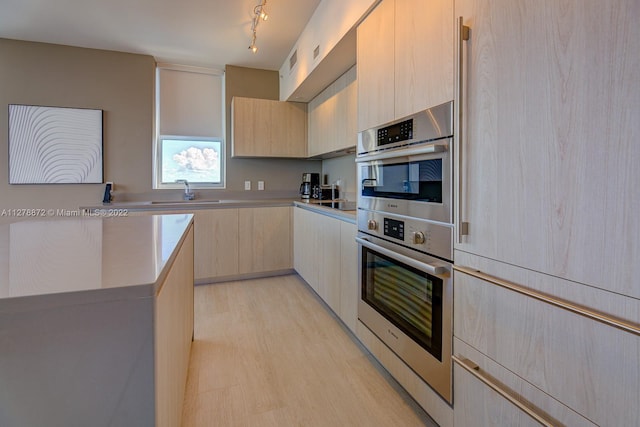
<point x="422" y="266"/>
<point x="435" y="147"/>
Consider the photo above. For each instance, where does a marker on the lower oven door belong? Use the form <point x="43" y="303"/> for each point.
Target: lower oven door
<point x="406" y="301"/>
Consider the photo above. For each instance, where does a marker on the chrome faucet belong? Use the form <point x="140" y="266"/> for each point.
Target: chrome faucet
<point x="188" y="195"/>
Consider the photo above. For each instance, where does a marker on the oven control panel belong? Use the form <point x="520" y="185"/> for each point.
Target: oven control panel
<point x="394" y="228"/>
<point x="397" y="132"/>
<point x="433" y="238"/>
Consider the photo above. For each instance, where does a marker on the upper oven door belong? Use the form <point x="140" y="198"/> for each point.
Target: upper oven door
<point x="414" y="182"/>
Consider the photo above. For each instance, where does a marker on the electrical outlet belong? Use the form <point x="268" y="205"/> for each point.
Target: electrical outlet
<point x="260" y="185"/>
<point x="247" y="185"/>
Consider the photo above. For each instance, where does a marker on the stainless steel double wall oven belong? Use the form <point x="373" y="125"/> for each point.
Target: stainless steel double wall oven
<point x="405" y="240"/>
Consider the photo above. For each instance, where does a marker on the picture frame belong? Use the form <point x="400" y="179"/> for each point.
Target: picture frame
<point x="55" y="145"/>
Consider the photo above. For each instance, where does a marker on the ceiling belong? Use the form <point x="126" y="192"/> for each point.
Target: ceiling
<point x="205" y="33"/>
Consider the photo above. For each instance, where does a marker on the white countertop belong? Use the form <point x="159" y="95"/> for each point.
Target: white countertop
<point x="86" y="259"/>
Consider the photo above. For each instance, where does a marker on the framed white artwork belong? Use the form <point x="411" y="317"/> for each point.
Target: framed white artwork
<point x="55" y="145"/>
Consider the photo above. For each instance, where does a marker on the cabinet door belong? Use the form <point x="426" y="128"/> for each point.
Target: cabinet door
<point x="288" y="127"/>
<point x="305" y="246"/>
<point x="375" y="59"/>
<point x="424" y="53"/>
<point x="267" y="128"/>
<point x="251" y="121"/>
<point x="332" y="116"/>
<point x="264" y="239"/>
<point x="329" y="260"/>
<point x="349" y="286"/>
<point x="322" y="116"/>
<point x="215" y="243"/>
<point x="346" y="111"/>
<point x="551" y="153"/>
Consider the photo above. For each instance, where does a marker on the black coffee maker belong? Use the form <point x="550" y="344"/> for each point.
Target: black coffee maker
<point x="309" y="181"/>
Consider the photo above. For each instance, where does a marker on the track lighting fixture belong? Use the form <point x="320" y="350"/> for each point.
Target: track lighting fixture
<point x="259" y="14"/>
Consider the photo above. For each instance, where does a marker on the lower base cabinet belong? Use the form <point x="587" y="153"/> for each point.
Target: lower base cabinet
<point x="484" y="389"/>
<point x="349" y="286"/>
<point x="239" y="242"/>
<point x="325" y="256"/>
<point x="264" y="239"/>
<point x="566" y="367"/>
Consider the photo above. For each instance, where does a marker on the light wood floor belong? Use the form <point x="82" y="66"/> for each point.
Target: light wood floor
<point x="267" y="352"/>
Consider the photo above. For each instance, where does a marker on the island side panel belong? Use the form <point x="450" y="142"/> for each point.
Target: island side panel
<point x="173" y="335"/>
<point x="83" y="364"/>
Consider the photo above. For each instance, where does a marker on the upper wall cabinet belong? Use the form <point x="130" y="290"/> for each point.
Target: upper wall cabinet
<point x="332" y="117"/>
<point x="267" y="128"/>
<point x="325" y="49"/>
<point x="405" y="54"/>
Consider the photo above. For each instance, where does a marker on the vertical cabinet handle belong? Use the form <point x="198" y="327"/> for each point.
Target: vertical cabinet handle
<point x="463" y="35"/>
<point x="526" y="407"/>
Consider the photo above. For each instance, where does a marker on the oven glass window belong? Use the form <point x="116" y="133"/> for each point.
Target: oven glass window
<point x="409" y="298"/>
<point x="421" y="180"/>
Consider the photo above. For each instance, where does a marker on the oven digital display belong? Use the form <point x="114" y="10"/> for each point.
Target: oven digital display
<point x="402" y="131"/>
<point x="394" y="228"/>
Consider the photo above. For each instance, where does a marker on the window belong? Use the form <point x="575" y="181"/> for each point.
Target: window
<point x="198" y="160"/>
<point x="190" y="140"/>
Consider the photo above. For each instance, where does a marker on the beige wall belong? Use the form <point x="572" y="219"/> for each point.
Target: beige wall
<point x="120" y="84"/>
<point x="343" y="169"/>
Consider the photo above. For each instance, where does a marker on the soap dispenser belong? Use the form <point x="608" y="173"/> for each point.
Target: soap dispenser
<point x="108" y="197"/>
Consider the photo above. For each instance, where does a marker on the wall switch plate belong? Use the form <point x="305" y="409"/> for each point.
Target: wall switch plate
<point x="260" y="185"/>
<point x="247" y="185"/>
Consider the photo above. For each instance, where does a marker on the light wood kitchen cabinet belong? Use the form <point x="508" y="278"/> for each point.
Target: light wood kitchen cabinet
<point x="235" y="242"/>
<point x="424" y="54"/>
<point x="550" y="150"/>
<point x="349" y="286"/>
<point x="317" y="254"/>
<point x="325" y="257"/>
<point x="329" y="259"/>
<point x="332" y="116"/>
<point x="264" y="240"/>
<point x="375" y="59"/>
<point x="305" y="246"/>
<point x="589" y="367"/>
<point x="477" y="404"/>
<point x="268" y="128"/>
<point x="405" y="56"/>
<point x="216" y="243"/>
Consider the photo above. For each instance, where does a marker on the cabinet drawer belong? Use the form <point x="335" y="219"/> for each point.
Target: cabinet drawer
<point x="588" y="366"/>
<point x="477" y="402"/>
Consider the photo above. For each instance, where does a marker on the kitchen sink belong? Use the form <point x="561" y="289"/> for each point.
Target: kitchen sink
<point x="186" y="202"/>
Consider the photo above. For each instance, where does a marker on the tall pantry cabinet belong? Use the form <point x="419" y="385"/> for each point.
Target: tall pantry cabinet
<point x="549" y="154"/>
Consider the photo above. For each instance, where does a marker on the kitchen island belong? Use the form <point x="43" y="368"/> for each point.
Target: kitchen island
<point x="96" y="320"/>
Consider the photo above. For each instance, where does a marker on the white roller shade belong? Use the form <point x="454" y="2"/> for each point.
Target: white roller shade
<point x="190" y="102"/>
